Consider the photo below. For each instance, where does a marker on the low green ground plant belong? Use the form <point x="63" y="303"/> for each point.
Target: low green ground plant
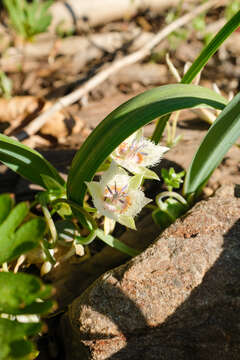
<point x="5" y="85"/>
<point x="23" y="297"/>
<point x="28" y="18"/>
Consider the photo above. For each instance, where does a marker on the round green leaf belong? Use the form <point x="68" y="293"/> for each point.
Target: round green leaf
<point x="12" y="334"/>
<point x="19" y="292"/>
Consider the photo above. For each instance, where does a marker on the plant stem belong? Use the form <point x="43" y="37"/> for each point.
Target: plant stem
<point x="113" y="242"/>
<point x="79" y="209"/>
<point x="172" y="194"/>
<point x="51" y="225"/>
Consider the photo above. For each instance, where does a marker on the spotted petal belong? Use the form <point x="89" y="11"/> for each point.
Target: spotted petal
<point x="137" y="153"/>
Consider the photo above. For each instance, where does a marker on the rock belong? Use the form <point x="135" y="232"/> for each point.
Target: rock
<point x="178" y="300"/>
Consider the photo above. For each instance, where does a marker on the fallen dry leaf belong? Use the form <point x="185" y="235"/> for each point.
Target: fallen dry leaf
<point x="20" y="110"/>
<point x="18" y="106"/>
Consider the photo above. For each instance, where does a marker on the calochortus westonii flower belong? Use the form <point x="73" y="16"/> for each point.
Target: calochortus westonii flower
<point x="118" y="195"/>
<point x="137" y="153"/>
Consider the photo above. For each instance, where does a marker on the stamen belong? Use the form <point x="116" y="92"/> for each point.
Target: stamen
<point x="124" y="188"/>
<point x="109" y="190"/>
<point x="133" y="144"/>
<point x="116" y="199"/>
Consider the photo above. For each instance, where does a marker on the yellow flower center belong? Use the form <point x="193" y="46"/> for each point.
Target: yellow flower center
<point x="116" y="198"/>
<point x="131" y="151"/>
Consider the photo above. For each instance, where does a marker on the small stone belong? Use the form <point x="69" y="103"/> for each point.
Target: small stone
<point x="207" y="191"/>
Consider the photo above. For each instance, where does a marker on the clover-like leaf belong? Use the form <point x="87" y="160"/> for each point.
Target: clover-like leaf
<point x="13" y="343"/>
<point x="23" y="294"/>
<point x="172" y="179"/>
<point x="15" y="239"/>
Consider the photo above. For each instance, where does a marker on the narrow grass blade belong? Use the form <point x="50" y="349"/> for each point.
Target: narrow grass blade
<point x="218" y="140"/>
<point x="207" y="52"/>
<point x="211" y="48"/>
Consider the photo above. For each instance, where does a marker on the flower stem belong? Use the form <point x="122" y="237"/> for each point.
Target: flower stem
<point x="79" y="209"/>
<point x="113" y="242"/>
<point x="51" y="225"/>
<point x="172" y="194"/>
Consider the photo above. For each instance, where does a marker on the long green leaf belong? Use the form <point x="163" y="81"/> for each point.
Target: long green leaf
<point x="218" y="140"/>
<point x="211" y="48"/>
<point x="26" y="161"/>
<point x="207" y="52"/>
<point x="128" y="118"/>
<point x="115" y="243"/>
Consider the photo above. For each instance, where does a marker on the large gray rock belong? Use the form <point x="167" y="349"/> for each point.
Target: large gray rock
<point x="178" y="300"/>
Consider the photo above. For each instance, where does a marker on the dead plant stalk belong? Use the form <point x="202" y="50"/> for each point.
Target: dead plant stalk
<point x="77" y="94"/>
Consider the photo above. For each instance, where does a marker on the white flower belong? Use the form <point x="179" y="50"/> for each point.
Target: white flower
<point x="136" y="153"/>
<point x="117" y="196"/>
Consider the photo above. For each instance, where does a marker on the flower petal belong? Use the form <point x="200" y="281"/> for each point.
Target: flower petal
<point x="148" y="174"/>
<point x="135" y="182"/>
<point x="109" y="175"/>
<point x="138" y="201"/>
<point x="154" y="153"/>
<point x="127" y="221"/>
<point x="137" y="152"/>
<point x="94" y="188"/>
<point x="118" y="196"/>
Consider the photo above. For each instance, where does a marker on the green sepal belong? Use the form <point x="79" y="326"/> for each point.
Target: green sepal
<point x="51" y="184"/>
<point x="148" y="174"/>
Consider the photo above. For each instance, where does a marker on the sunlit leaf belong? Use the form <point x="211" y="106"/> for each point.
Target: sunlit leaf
<point x="12" y="338"/>
<point x="15" y="239"/>
<point x="23" y="294"/>
<point x="26" y="161"/>
<point x="128" y="118"/>
<point x="218" y="140"/>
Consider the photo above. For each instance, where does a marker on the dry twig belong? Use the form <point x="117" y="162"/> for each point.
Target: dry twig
<point x="77" y="94"/>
